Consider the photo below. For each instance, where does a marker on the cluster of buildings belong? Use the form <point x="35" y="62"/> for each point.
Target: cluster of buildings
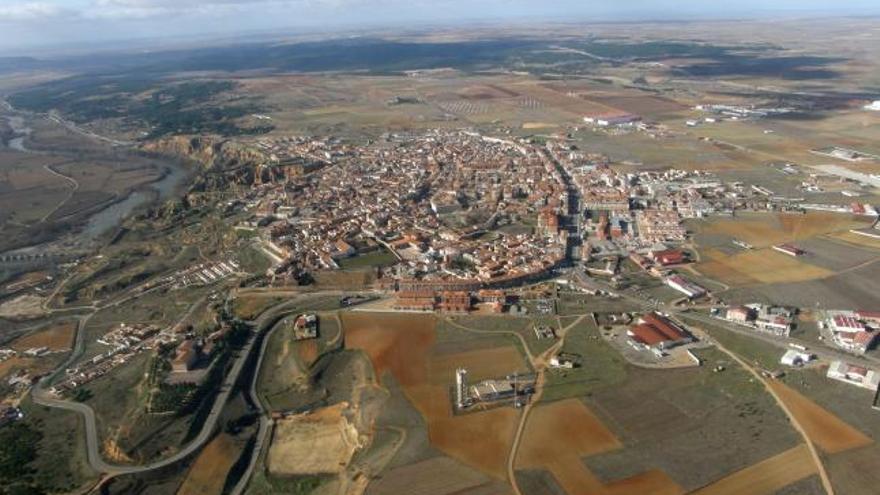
<point x="853" y="331"/>
<point x="202" y="274"/>
<point x="192" y="356"/>
<point x="720" y="112"/>
<point x="30" y="352"/>
<point x="613" y="119"/>
<point x="126" y="342"/>
<point x="775" y="320"/>
<point x="423" y="297"/>
<point x="428" y="199"/>
<point x="845" y="154"/>
<point x="513" y="387"/>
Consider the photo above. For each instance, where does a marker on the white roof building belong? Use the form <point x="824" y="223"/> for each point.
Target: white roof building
<point x="795" y="358"/>
<point x="854" y="375"/>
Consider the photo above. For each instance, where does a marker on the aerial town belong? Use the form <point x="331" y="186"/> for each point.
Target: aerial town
<point x="603" y="258"/>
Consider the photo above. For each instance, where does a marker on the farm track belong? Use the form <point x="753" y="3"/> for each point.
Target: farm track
<point x="814" y="453"/>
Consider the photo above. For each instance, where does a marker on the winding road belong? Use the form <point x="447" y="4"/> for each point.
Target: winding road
<point x="43" y="397"/>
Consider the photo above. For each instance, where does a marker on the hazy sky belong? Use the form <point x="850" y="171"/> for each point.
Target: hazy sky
<point x="28" y="23"/>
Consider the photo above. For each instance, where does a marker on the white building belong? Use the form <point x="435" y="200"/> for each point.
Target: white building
<point x="795" y="358"/>
<point x="854" y="375"/>
<point x="690" y="289"/>
<point x="874" y="106"/>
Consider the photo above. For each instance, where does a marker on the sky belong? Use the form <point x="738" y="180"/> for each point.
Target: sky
<point x="26" y="25"/>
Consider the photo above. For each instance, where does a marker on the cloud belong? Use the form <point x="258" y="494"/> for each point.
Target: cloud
<point x="153" y="8"/>
<point x="33" y="11"/>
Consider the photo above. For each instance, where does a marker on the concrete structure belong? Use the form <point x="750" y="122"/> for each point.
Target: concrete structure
<point x="795" y="358"/>
<point x="690" y="289"/>
<point x="491" y="390"/>
<point x="668" y="257"/>
<point x="789" y="250"/>
<point x="854" y="375"/>
<point x="612" y="119"/>
<point x="740" y="314"/>
<point x="305" y="326"/>
<point x="461" y="394"/>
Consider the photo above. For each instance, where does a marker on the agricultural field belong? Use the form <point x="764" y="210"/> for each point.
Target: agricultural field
<point x="557" y="435"/>
<point x="55" y="337"/>
<point x="208" y="473"/>
<point x="404" y="346"/>
<point x="435" y="476"/>
<point x="602" y="367"/>
<point x="696" y="426"/>
<point x="825" y="429"/>
<point x="320" y="442"/>
<point x="839" y="409"/>
<point x="759" y="266"/>
<point x="831" y="258"/>
<point x="767" y="477"/>
<point x="767" y="229"/>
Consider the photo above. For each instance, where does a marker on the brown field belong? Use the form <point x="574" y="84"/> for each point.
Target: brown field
<point x="764" y="266"/>
<point x="56" y="337"/>
<point x="829" y="432"/>
<point x="436" y="476"/>
<point x="481" y="364"/>
<point x="23" y="307"/>
<point x="484" y="92"/>
<point x="653" y="482"/>
<point x="538" y="125"/>
<point x="767" y="230"/>
<point x="557" y="435"/>
<point x="398" y="343"/>
<point x="561" y="101"/>
<point x="401" y="344"/>
<point x="641" y="105"/>
<point x="307" y="351"/>
<point x="856" y="239"/>
<point x="319" y="442"/>
<point x="12" y="364"/>
<point x="766" y="477"/>
<point x="855" y="471"/>
<point x="208" y="474"/>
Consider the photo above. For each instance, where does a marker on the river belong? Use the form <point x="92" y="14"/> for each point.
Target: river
<point x="113" y="215"/>
<point x="22" y="132"/>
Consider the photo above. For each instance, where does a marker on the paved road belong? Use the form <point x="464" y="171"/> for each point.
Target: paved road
<point x="43" y="397"/>
<point x="265" y="422"/>
<point x="820" y="350"/>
